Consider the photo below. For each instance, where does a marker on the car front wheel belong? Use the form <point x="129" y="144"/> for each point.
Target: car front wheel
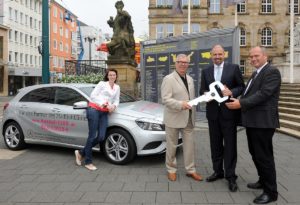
<point x="119" y="147"/>
<point x="13" y="136"/>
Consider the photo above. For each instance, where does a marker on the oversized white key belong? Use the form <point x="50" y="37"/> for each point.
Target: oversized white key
<point x="213" y="94"/>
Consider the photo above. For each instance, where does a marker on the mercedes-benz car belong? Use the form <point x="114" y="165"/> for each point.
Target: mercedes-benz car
<point x="55" y="114"/>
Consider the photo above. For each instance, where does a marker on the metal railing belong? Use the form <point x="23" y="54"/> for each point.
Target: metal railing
<point x="85" y="67"/>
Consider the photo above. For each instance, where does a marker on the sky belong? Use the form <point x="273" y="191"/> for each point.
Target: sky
<point x="97" y="12"/>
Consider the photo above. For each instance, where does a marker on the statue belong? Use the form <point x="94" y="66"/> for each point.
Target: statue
<point x="122" y="45"/>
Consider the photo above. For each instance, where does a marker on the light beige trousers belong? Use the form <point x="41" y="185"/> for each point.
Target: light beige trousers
<point x="172" y="135"/>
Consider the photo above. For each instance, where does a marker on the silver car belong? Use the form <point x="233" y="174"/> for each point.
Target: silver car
<point x="55" y="114"/>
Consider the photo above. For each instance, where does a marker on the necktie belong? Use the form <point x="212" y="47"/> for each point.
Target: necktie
<point x="218" y="73"/>
<point x="253" y="76"/>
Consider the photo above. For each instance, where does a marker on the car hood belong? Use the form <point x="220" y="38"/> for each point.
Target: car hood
<point x="142" y="109"/>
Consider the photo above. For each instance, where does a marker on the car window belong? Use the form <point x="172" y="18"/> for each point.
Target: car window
<point x="126" y="98"/>
<point x="87" y="90"/>
<point x="41" y="95"/>
<point x="67" y="96"/>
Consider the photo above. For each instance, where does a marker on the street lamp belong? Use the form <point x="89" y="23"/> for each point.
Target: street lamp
<point x="90" y="40"/>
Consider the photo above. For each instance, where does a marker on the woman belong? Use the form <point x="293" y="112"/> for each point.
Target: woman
<point x="104" y="100"/>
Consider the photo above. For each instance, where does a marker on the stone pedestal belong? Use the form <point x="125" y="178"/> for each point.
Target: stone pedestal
<point x="126" y="78"/>
<point x="284" y="68"/>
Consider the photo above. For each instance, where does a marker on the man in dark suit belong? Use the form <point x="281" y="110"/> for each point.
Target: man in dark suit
<point x="259" y="106"/>
<point x="222" y="122"/>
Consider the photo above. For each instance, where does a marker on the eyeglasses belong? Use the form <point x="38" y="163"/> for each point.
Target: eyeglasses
<point x="182" y="62"/>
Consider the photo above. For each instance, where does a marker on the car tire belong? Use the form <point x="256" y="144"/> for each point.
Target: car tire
<point x="13" y="136"/>
<point x="118" y="147"/>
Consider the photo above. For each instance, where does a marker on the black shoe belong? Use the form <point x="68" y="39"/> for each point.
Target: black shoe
<point x="214" y="177"/>
<point x="264" y="198"/>
<point x="232" y="185"/>
<point x="256" y="185"/>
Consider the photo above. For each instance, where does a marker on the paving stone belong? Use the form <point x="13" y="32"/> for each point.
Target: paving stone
<point x="88" y="186"/>
<point x="218" y="197"/>
<point x="45" y="196"/>
<point x="157" y="186"/>
<point x="168" y="198"/>
<point x="193" y="197"/>
<point x="118" y="197"/>
<point x="134" y="186"/>
<point x="180" y="186"/>
<point x="23" y="196"/>
<point x="69" y="196"/>
<point x="67" y="186"/>
<point x="111" y="186"/>
<point x="94" y="197"/>
<point x="147" y="178"/>
<point x="143" y="197"/>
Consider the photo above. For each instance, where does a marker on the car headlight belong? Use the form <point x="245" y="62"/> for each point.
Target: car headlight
<point x="150" y="125"/>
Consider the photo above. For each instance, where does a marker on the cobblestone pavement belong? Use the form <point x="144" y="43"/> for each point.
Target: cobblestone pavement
<point x="48" y="175"/>
<point x="45" y="175"/>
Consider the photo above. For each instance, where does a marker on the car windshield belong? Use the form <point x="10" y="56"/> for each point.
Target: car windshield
<point x="123" y="97"/>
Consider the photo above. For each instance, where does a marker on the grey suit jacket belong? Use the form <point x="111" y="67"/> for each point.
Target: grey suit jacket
<point x="173" y="92"/>
<point x="260" y="103"/>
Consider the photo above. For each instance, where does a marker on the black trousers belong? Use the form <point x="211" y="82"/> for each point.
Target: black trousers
<point x="223" y="148"/>
<point x="261" y="149"/>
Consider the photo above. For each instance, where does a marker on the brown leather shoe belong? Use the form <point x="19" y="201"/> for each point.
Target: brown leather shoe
<point x="172" y="176"/>
<point x="195" y="176"/>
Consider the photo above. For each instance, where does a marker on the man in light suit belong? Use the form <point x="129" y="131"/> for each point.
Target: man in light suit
<point x="222" y="122"/>
<point x="259" y="106"/>
<point x="176" y="90"/>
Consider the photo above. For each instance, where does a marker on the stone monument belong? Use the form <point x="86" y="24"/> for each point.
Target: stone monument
<point x="122" y="50"/>
<point x="284" y="67"/>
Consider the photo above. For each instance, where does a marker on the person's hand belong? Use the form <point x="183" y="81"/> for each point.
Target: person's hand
<point x="111" y="108"/>
<point x="226" y="91"/>
<point x="234" y="104"/>
<point x="185" y="105"/>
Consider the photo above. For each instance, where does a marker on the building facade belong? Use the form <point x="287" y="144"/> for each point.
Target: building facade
<point x="24" y="18"/>
<point x="261" y="22"/>
<point x="63" y="39"/>
<point x="3" y="60"/>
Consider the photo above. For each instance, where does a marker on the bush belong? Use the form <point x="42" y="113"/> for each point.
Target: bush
<point x="90" y="78"/>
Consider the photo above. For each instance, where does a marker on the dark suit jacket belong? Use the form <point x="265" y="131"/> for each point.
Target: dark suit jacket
<point x="260" y="103"/>
<point x="233" y="79"/>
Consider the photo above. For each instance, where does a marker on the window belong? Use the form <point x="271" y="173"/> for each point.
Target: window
<point x="61" y="47"/>
<point x="214" y="6"/>
<point x="243" y="66"/>
<point x="16" y="57"/>
<point x="55" y="12"/>
<point x="21" y="18"/>
<point x="266" y="37"/>
<point x="195" y="28"/>
<point x="10" y="14"/>
<point x="31" y="22"/>
<point x="21" y="37"/>
<point x="16" y="36"/>
<point x="31" y="40"/>
<point x="55" y="44"/>
<point x="169" y="30"/>
<point x="41" y="95"/>
<point x="10" y="34"/>
<point x="242" y="37"/>
<point x="67" y="48"/>
<point x="31" y="59"/>
<point x="296" y="6"/>
<point x="67" y="96"/>
<point x="159" y="31"/>
<point x="55" y="63"/>
<point x="16" y="16"/>
<point x="2" y="78"/>
<point x="67" y="33"/>
<point x="26" y="39"/>
<point x="10" y="56"/>
<point x="266" y="6"/>
<point x="26" y="20"/>
<point x="61" y="31"/>
<point x="26" y="59"/>
<point x="160" y="3"/>
<point x="1" y="48"/>
<point x="241" y="7"/>
<point x="21" y="58"/>
<point x="54" y="28"/>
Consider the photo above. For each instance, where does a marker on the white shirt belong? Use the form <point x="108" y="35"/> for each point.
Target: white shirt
<point x="216" y="67"/>
<point x="103" y="93"/>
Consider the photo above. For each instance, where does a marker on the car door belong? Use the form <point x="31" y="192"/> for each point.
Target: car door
<point x="71" y="125"/>
<point x="35" y="112"/>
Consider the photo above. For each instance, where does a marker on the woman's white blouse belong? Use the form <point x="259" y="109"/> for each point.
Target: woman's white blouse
<point x="104" y="94"/>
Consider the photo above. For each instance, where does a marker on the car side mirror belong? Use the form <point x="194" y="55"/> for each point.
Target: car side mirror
<point x="80" y="105"/>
